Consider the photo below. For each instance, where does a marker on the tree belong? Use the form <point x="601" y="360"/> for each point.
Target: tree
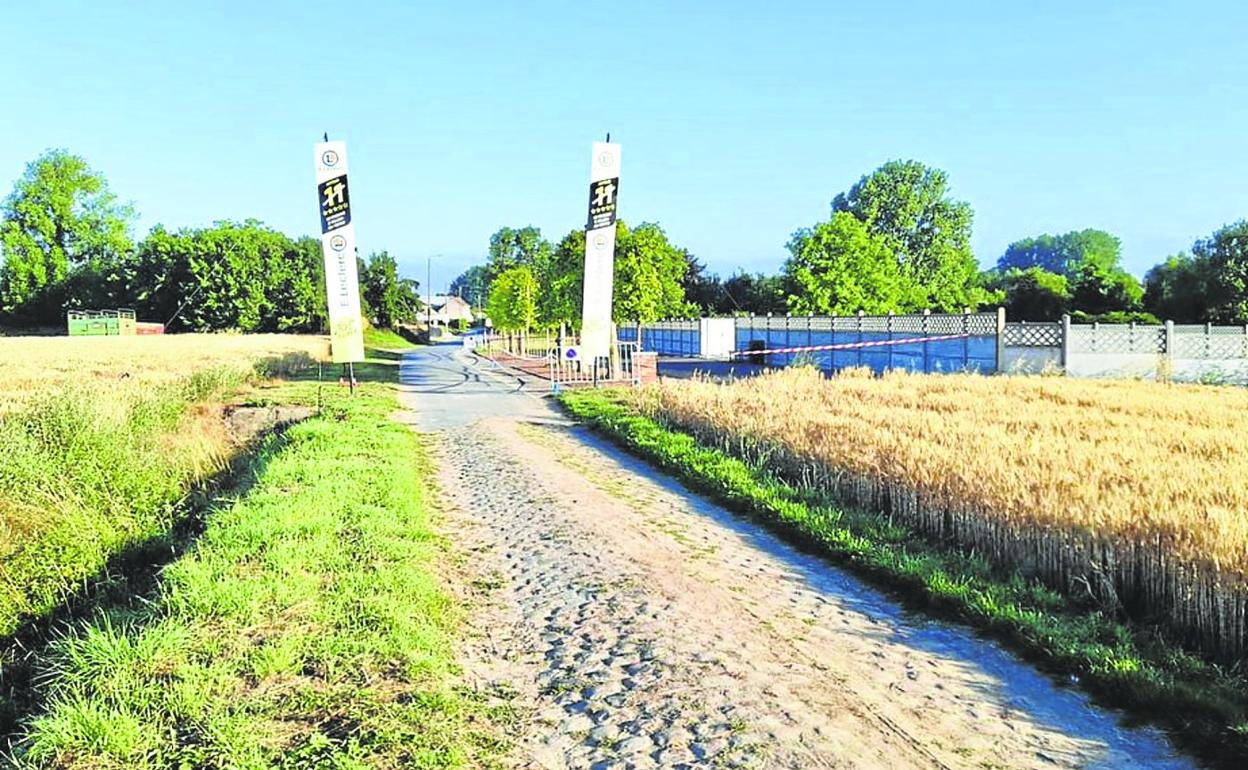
<point x="296" y="289"/>
<point x="704" y="290"/>
<point x="1180" y="289"/>
<point x="513" y="299"/>
<point x="513" y="247"/>
<point x="1063" y="254"/>
<point x="841" y="267"/>
<point x="240" y="276"/>
<point x="563" y="282"/>
<point x="758" y="294"/>
<point x="649" y="272"/>
<point x="1224" y="255"/>
<point x="390" y="299"/>
<point x="907" y="205"/>
<point x="1090" y="260"/>
<point x="471" y="285"/>
<point x="1098" y="289"/>
<point x="1035" y="294"/>
<point x="59" y="219"/>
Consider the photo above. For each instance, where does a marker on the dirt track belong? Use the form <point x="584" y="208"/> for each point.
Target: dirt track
<point x="640" y="626"/>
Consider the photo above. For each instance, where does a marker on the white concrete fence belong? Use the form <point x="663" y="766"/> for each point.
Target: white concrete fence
<point x="1181" y="352"/>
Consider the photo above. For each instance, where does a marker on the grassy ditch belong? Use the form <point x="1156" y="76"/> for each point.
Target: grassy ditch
<point x="307" y="627"/>
<point x="91" y="470"/>
<point x="1203" y="706"/>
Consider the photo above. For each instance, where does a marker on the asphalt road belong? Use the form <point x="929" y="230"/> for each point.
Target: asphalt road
<point x="447" y="387"/>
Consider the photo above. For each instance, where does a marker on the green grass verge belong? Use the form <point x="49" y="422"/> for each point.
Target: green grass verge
<point x="306" y="627"/>
<point x="386" y="339"/>
<point x="89" y="472"/>
<point x="1203" y="706"/>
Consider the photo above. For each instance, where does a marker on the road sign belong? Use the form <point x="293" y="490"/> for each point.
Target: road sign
<point x="602" y="203"/>
<point x="604" y="188"/>
<point x="342" y="282"/>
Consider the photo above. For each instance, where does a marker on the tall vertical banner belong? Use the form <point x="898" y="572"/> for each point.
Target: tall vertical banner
<point x="604" y="188"/>
<point x="342" y="281"/>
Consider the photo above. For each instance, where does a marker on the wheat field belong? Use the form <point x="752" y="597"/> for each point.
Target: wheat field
<point x="29" y="365"/>
<point x="1138" y="490"/>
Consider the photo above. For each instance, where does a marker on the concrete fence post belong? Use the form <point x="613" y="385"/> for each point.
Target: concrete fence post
<point x="858" y="349"/>
<point x="1064" y="354"/>
<point x="1168" y="353"/>
<point x="788" y="336"/>
<point x="889" y="348"/>
<point x="927" y="368"/>
<point x="966" y="340"/>
<point x="1000" y="340"/>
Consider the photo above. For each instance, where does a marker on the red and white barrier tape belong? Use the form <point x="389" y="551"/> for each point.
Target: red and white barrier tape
<point x="852" y="345"/>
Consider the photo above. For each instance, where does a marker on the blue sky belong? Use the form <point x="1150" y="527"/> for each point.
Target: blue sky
<point x="739" y="120"/>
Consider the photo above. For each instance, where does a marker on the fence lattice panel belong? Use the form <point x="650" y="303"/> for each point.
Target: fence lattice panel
<point x="1033" y="335"/>
<point x="1117" y="338"/>
<point x="1217" y="344"/>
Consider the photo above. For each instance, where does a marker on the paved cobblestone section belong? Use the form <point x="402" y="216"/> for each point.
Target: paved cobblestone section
<point x="634" y="625"/>
<point x="641" y="627"/>
<point x="618" y="683"/>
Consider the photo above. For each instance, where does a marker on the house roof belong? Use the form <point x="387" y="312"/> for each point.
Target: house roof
<point x="440" y="300"/>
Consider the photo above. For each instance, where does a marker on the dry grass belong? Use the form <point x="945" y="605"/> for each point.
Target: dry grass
<point x="29" y="365"/>
<point x="163" y="357"/>
<point x="1140" y="471"/>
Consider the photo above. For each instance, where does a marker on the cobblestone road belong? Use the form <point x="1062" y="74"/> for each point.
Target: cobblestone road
<point x="637" y="626"/>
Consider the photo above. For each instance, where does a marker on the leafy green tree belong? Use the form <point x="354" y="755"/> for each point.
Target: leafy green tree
<point x="390" y="298"/>
<point x="1180" y="289"/>
<point x="512" y="247"/>
<point x="513" y="299"/>
<point x="841" y="266"/>
<point x="1224" y="255"/>
<point x="649" y="272"/>
<point x="296" y="289"/>
<point x="471" y="285"/>
<point x="1097" y="289"/>
<point x="1091" y="261"/>
<point x="60" y="219"/>
<point x="563" y="282"/>
<point x="240" y="276"/>
<point x="1063" y="254"/>
<point x="703" y="290"/>
<point x="1035" y="294"/>
<point x="908" y="206"/>
<point x="753" y="293"/>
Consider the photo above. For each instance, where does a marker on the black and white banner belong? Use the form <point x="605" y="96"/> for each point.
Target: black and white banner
<point x="604" y="187"/>
<point x="342" y="283"/>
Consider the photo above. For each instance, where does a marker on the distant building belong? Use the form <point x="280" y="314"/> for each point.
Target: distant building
<point x="447" y="308"/>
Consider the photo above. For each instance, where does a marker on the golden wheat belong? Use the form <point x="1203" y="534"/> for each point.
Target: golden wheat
<point x="1138" y="485"/>
<point x="29" y="365"/>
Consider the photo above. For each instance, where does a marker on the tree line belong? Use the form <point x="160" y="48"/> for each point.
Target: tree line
<point x="66" y="244"/>
<point x="896" y="241"/>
